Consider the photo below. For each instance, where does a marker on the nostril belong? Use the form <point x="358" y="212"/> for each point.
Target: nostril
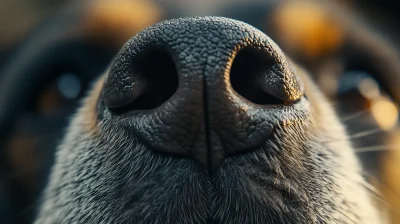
<point x="250" y="77"/>
<point x="158" y="70"/>
<point x="156" y="80"/>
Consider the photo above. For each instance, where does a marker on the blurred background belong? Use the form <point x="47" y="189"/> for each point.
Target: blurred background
<point x="51" y="51"/>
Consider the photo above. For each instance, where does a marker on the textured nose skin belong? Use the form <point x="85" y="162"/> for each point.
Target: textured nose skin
<point x="205" y="117"/>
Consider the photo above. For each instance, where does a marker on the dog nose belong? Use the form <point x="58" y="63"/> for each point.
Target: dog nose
<point x="204" y="88"/>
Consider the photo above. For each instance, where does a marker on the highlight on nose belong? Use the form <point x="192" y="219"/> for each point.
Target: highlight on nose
<point x="204" y="88"/>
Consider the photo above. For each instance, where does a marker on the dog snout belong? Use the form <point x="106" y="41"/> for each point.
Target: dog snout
<point x="202" y="88"/>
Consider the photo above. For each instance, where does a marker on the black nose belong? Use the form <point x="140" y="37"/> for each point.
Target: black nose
<point x="204" y="88"/>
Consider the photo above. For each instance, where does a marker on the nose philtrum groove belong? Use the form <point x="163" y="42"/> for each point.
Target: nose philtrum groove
<point x="204" y="88"/>
<point x="206" y="129"/>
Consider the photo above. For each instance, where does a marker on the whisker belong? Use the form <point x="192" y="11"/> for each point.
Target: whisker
<point x="366" y="133"/>
<point x="373" y="190"/>
<point x="376" y="148"/>
<point x="358" y="135"/>
<point x="354" y="115"/>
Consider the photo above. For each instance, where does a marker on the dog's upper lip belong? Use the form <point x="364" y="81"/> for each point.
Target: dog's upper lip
<point x="206" y="118"/>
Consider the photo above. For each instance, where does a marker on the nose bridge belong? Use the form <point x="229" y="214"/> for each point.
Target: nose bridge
<point x="205" y="119"/>
<point x="203" y="50"/>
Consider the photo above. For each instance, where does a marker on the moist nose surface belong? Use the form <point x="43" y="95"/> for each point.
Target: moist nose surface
<point x="204" y="88"/>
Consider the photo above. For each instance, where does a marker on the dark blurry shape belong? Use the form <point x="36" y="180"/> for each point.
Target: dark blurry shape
<point x="58" y="94"/>
<point x="252" y="13"/>
<point x="41" y="83"/>
<point x="347" y="47"/>
<point x="18" y="17"/>
<point x="322" y="34"/>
